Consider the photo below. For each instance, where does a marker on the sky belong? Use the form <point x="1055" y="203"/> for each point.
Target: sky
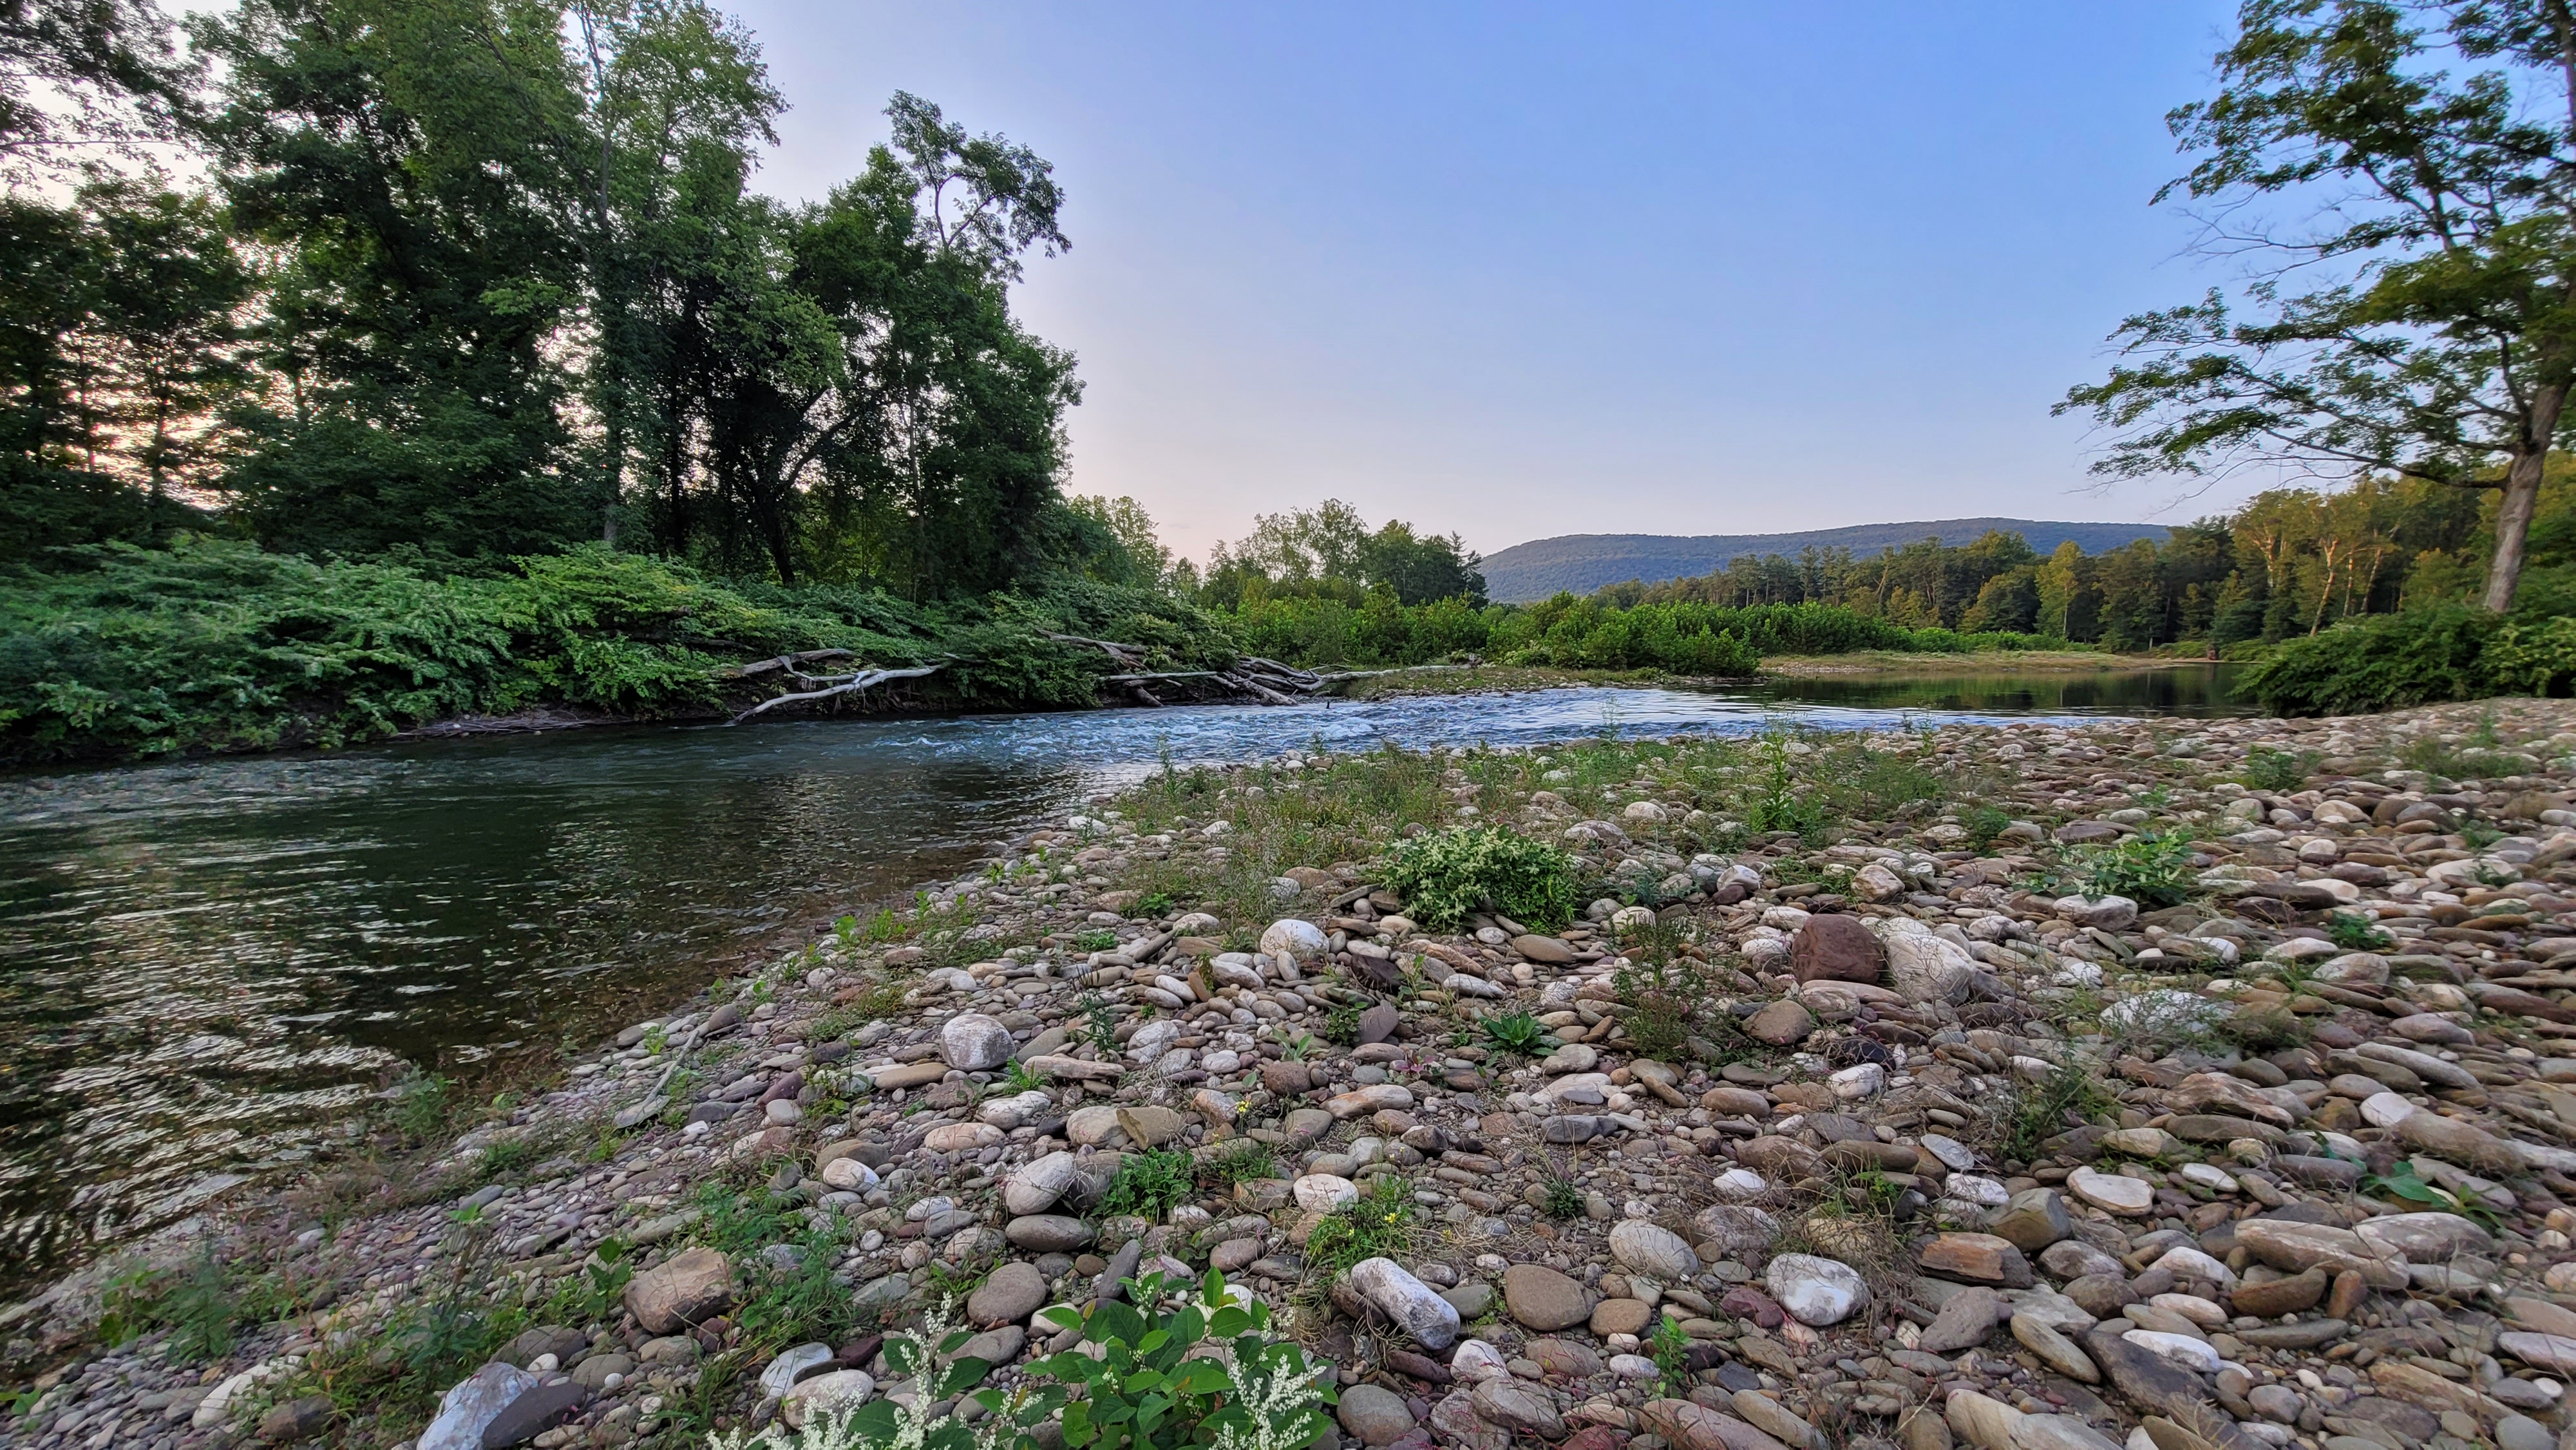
<point x="1520" y="271"/>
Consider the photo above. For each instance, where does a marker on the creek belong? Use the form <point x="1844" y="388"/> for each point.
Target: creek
<point x="209" y="969"/>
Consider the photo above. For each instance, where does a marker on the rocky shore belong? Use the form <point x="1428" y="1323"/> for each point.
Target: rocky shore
<point x="1859" y="1106"/>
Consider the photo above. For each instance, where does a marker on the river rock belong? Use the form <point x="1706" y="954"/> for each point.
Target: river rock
<point x="1966" y="1318"/>
<point x="1410" y="1303"/>
<point x="1543" y="1299"/>
<point x="1289" y="937"/>
<point x="1376" y="1416"/>
<point x="691" y="1286"/>
<point x="2032" y="1220"/>
<point x="1012" y="1293"/>
<point x="1922" y="967"/>
<point x="973" y="1042"/>
<point x="1037" y="1185"/>
<point x="1047" y="1233"/>
<point x="1735" y="1228"/>
<point x="2111" y="1192"/>
<point x="1836" y="948"/>
<point x="1783" y="1023"/>
<point x="1816" y="1291"/>
<point x="840" y="1387"/>
<point x="1658" y="1253"/>
<point x="468" y="1409"/>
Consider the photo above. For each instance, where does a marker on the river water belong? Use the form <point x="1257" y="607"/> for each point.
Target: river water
<point x="206" y="968"/>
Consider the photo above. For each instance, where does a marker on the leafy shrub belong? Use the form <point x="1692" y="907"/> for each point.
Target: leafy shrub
<point x="1443" y="876"/>
<point x="1515" y="1032"/>
<point x="2267" y="768"/>
<point x="1985" y="825"/>
<point x="2378" y="662"/>
<point x="2355" y="933"/>
<point x="1376" y="1225"/>
<point x="2151" y="868"/>
<point x="1149" y="1183"/>
<point x="1152" y="1386"/>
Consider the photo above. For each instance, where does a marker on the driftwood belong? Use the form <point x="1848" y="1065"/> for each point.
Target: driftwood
<point x="787" y="663"/>
<point x="858" y="683"/>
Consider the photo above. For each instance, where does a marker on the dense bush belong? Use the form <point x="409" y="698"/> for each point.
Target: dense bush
<point x="2389" y="661"/>
<point x="1445" y="875"/>
<point x="215" y="645"/>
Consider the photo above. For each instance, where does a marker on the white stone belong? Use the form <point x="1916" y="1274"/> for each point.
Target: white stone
<point x="2109" y="913"/>
<point x="961" y="1137"/>
<point x="1875" y="883"/>
<point x="839" y="1387"/>
<point x="473" y="1404"/>
<point x="2215" y="1179"/>
<point x="2387" y="1110"/>
<point x="1035" y="1186"/>
<point x="1301" y="940"/>
<point x="1954" y="1155"/>
<point x="1922" y="967"/>
<point x="973" y="1042"/>
<point x="1430" y="1319"/>
<point x="1740" y="1185"/>
<point x="792" y="1365"/>
<point x="2187" y="1262"/>
<point x="1476" y="1360"/>
<point x="1973" y="1189"/>
<point x="1858" y="1082"/>
<point x="1816" y="1291"/>
<point x="1320" y="1192"/>
<point x="1010" y="1112"/>
<point x="2178" y="1349"/>
<point x="2111" y="1192"/>
<point x="849" y="1175"/>
<point x="1658" y="1253"/>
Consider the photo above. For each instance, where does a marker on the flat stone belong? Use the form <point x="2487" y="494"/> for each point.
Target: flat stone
<point x="2293" y="1294"/>
<point x="1965" y="1321"/>
<point x="2054" y="1349"/>
<point x="2112" y="1193"/>
<point x="1783" y="1023"/>
<point x="1546" y="950"/>
<point x="692" y="1285"/>
<point x="839" y="1387"/>
<point x="2306" y="1334"/>
<point x="1048" y="1233"/>
<point x="1836" y="948"/>
<point x="1620" y="1316"/>
<point x="303" y="1418"/>
<point x="470" y="1407"/>
<point x="2292" y="1247"/>
<point x="2551" y="1352"/>
<point x="534" y="1413"/>
<point x="1502" y="1403"/>
<point x="1976" y="1258"/>
<point x="1543" y="1299"/>
<point x="2032" y="1220"/>
<point x="1656" y="1252"/>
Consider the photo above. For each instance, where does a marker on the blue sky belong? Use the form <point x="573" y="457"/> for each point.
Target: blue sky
<point x="1523" y="271"/>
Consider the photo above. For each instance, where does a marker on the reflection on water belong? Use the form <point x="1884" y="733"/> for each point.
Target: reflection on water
<point x="205" y="966"/>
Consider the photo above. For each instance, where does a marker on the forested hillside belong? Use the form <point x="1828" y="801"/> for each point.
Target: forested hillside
<point x="1581" y="563"/>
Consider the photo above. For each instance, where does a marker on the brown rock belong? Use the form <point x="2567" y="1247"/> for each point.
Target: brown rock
<point x="1782" y="1024"/>
<point x="1286" y="1079"/>
<point x="1964" y="1322"/>
<point x="1836" y="948"/>
<point x="2292" y="1295"/>
<point x="2459" y="1142"/>
<point x="1544" y="1299"/>
<point x="1977" y="1259"/>
<point x="1622" y="1316"/>
<point x="296" y="1419"/>
<point x="2349" y="1286"/>
<point x="1549" y="950"/>
<point x="689" y="1287"/>
<point x="2034" y="1219"/>
<point x="1778" y="1157"/>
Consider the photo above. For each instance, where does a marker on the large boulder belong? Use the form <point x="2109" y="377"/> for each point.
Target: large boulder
<point x="671" y="1296"/>
<point x="1921" y="966"/>
<point x="973" y="1042"/>
<point x="1836" y="948"/>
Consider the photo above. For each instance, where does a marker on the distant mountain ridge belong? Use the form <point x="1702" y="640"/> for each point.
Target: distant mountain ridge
<point x="1581" y="563"/>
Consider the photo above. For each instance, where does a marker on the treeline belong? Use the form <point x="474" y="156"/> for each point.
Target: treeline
<point x="217" y="645"/>
<point x="469" y="280"/>
<point x="2289" y="564"/>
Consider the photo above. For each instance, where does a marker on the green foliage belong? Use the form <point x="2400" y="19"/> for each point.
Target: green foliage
<point x="2267" y="768"/>
<point x="2069" y="1097"/>
<point x="1985" y="825"/>
<point x="211" y="645"/>
<point x="1378" y="1224"/>
<point x="1246" y="1161"/>
<point x="1779" y="800"/>
<point x="2405" y="1185"/>
<point x="1095" y="940"/>
<point x="1562" y="1199"/>
<point x="2382" y="662"/>
<point x="1516" y="1032"/>
<point x="1670" y="1349"/>
<point x="1154" y="1388"/>
<point x="2354" y="932"/>
<point x="1443" y="876"/>
<point x="2151" y="868"/>
<point x="1149" y="1183"/>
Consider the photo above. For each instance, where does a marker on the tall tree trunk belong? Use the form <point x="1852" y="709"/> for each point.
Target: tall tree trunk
<point x="2513" y="520"/>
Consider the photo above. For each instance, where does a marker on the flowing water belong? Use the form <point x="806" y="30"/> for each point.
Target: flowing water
<point x="207" y="968"/>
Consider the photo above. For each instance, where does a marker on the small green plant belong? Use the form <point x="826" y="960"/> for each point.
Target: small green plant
<point x="2151" y="868"/>
<point x="2070" y="1096"/>
<point x="1985" y="825"/>
<point x="1155" y="903"/>
<point x="506" y="1156"/>
<point x="1100" y="1021"/>
<point x="1561" y="1199"/>
<point x="1516" y="1032"/>
<point x="1342" y="1024"/>
<point x="1154" y="1386"/>
<point x="1149" y="1183"/>
<point x="2270" y="769"/>
<point x="1663" y="991"/>
<point x="420" y="1105"/>
<point x="1670" y="1350"/>
<point x="1378" y="1224"/>
<point x="1445" y="875"/>
<point x="1245" y="1162"/>
<point x="656" y="1038"/>
<point x="1019" y="1077"/>
<point x="1299" y="1047"/>
<point x="1779" y="801"/>
<point x="2401" y="1182"/>
<point x="1098" y="939"/>
<point x="2355" y="933"/>
<point x="2480" y="834"/>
